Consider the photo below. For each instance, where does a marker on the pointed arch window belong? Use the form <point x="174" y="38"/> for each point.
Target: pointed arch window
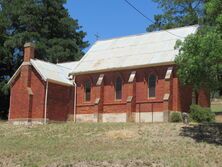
<point x="118" y="88"/>
<point x="152" y="86"/>
<point x="87" y="88"/>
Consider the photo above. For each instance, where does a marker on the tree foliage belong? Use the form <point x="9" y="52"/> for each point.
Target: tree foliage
<point x="57" y="36"/>
<point x="200" y="56"/>
<point x="177" y="13"/>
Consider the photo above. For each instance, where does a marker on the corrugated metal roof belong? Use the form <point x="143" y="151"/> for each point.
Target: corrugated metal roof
<point x="71" y="65"/>
<point x="52" y="72"/>
<point x="133" y="51"/>
<point x="58" y="73"/>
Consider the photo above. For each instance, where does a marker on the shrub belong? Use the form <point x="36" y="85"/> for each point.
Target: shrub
<point x="200" y="114"/>
<point x="175" y="117"/>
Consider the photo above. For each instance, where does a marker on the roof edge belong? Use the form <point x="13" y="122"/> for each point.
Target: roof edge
<point x="14" y="75"/>
<point x="123" y="68"/>
<point x="42" y="75"/>
<point x="18" y="70"/>
<point x="58" y="82"/>
<point x="195" y="25"/>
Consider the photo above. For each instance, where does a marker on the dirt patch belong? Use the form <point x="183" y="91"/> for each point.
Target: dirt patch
<point x="6" y="161"/>
<point x="218" y="117"/>
<point x="132" y="163"/>
<point x="121" y="134"/>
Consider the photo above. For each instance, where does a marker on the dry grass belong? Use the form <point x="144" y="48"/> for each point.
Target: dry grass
<point x="122" y="134"/>
<point x="110" y="144"/>
<point x="216" y="107"/>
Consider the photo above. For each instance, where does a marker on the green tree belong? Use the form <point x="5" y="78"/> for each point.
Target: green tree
<point x="57" y="36"/>
<point x="177" y="13"/>
<point x="200" y="56"/>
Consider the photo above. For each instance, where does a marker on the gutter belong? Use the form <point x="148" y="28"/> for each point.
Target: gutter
<point x="59" y="83"/>
<point x="46" y="101"/>
<point x="75" y="95"/>
<point x="123" y="68"/>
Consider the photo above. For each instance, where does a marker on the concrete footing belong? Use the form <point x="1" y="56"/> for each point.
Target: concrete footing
<point x="149" y="117"/>
<point x="122" y="117"/>
<point x="103" y="117"/>
<point x="27" y="121"/>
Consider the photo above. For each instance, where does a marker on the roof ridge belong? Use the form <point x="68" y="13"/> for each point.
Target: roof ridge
<point x="69" y="62"/>
<point x="44" y="61"/>
<point x="63" y="67"/>
<point x="84" y="56"/>
<point x="51" y="63"/>
<point x="146" y="33"/>
<point x="59" y="73"/>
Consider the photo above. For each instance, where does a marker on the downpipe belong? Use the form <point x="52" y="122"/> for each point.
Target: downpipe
<point x="75" y="95"/>
<point x="46" y="101"/>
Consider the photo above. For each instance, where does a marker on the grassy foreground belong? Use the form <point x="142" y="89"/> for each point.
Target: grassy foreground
<point x="111" y="144"/>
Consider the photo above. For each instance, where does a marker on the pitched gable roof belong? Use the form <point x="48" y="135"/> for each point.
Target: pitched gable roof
<point x="52" y="72"/>
<point x="71" y="65"/>
<point x="134" y="51"/>
<point x="58" y="73"/>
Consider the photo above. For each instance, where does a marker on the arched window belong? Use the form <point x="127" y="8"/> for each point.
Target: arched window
<point x="87" y="90"/>
<point x="118" y="88"/>
<point x="152" y="86"/>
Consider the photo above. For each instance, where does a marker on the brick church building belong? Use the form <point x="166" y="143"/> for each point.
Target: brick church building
<point x="123" y="79"/>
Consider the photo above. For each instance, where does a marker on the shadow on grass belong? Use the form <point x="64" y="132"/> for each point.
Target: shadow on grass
<point x="210" y="133"/>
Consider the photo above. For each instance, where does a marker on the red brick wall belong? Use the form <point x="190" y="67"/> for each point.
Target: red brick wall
<point x="180" y="96"/>
<point x="143" y="102"/>
<point x="38" y="89"/>
<point x="60" y="98"/>
<point x="185" y="97"/>
<point x="110" y="105"/>
<point x="60" y="102"/>
<point x="22" y="105"/>
<point x="18" y="100"/>
<point x="154" y="106"/>
<point x="203" y="98"/>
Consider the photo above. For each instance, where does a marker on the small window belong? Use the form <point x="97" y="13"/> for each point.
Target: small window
<point x="118" y="88"/>
<point x="152" y="86"/>
<point x="87" y="90"/>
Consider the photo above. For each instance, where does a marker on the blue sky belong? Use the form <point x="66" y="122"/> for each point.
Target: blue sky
<point x="111" y="18"/>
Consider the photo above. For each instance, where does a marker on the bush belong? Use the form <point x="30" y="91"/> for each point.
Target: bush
<point x="200" y="114"/>
<point x="175" y="117"/>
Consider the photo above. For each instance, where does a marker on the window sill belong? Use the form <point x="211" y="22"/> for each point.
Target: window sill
<point x="117" y="100"/>
<point x="151" y="98"/>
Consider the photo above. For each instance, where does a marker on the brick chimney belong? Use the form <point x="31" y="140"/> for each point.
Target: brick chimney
<point x="29" y="51"/>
